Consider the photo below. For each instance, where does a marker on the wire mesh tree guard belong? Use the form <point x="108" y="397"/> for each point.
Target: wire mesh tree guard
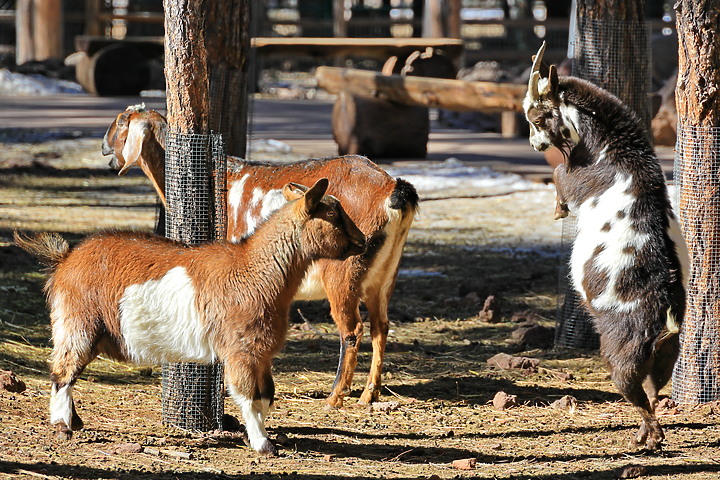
<point x="601" y="49"/>
<point x="696" y="378"/>
<point x="195" y="168"/>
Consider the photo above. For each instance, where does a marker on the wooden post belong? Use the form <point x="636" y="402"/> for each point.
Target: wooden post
<point x="39" y="30"/>
<point x="697" y="373"/>
<point x="339" y="24"/>
<point x="433" y="19"/>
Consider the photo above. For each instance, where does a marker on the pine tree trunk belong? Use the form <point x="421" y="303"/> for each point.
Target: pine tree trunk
<point x="228" y="47"/>
<point x="612" y="50"/>
<point x="192" y="396"/>
<point x="697" y="373"/>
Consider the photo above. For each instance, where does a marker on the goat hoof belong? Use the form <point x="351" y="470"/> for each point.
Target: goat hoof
<point x="268" y="449"/>
<point x="77" y="423"/>
<point x="369" y="396"/>
<point x="62" y="432"/>
<point x="334" y="401"/>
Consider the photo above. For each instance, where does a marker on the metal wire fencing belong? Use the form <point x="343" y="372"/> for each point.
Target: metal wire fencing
<point x="195" y="186"/>
<point x="696" y="378"/>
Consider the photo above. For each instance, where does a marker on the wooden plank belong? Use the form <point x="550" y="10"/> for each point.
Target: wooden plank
<point x="371" y="47"/>
<point x="457" y="95"/>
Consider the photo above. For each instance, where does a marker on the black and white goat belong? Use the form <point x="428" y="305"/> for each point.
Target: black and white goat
<point x="629" y="259"/>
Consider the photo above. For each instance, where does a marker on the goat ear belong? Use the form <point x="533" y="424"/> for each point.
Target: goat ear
<point x="137" y="133"/>
<point x="553" y="81"/>
<point x="315" y="194"/>
<point x="294" y="191"/>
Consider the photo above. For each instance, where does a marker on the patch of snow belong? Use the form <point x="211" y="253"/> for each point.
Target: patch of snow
<point x="268" y="146"/>
<point x="17" y="84"/>
<point x="453" y="174"/>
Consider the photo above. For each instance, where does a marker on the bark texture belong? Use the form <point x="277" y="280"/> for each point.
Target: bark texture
<point x="228" y="47"/>
<point x="697" y="372"/>
<point x="186" y="72"/>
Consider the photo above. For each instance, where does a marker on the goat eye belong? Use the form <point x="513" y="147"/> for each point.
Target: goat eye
<point x="330" y="214"/>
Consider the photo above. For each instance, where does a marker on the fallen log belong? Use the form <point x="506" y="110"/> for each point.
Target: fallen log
<point x="450" y="94"/>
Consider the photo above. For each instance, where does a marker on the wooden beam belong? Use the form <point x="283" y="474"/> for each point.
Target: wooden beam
<point x="369" y="47"/>
<point x="457" y="95"/>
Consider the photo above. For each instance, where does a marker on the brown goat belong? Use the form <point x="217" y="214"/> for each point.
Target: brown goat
<point x="146" y="299"/>
<point x="382" y="207"/>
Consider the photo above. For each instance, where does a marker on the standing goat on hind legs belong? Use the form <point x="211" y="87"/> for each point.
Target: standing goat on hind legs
<point x="629" y="260"/>
<point x="147" y="299"/>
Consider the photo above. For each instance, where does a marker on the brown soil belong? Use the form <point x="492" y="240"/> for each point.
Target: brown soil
<point x="460" y="251"/>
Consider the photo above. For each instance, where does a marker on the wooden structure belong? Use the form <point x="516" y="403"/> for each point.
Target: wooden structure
<point x="380" y="128"/>
<point x="39" y="30"/>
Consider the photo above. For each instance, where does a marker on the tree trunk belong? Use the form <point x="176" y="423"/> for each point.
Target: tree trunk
<point x="612" y="50"/>
<point x="228" y="45"/>
<point x="697" y="373"/>
<point x="192" y="393"/>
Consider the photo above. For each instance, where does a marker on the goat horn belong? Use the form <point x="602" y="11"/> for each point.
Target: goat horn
<point x="535" y="72"/>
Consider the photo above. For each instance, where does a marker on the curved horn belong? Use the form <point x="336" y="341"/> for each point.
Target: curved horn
<point x="535" y="72"/>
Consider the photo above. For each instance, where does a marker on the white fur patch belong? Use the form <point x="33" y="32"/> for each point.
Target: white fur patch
<point x="235" y="198"/>
<point x="137" y="131"/>
<point x="311" y="287"/>
<point x="253" y="413"/>
<point x="268" y="201"/>
<point x="593" y="214"/>
<point x="61" y="405"/>
<point x="681" y="249"/>
<point x="570" y="117"/>
<point x="160" y="322"/>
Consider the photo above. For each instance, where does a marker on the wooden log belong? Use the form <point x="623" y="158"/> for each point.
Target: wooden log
<point x="379" y="129"/>
<point x="119" y="69"/>
<point x="455" y="95"/>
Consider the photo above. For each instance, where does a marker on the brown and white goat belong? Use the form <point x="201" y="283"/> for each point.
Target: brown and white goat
<point x="382" y="207"/>
<point x="146" y="299"/>
<point x="629" y="260"/>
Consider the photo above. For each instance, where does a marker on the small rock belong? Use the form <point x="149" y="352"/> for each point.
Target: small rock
<point x="432" y="477"/>
<point x="531" y="335"/>
<point x="385" y="406"/>
<point x="465" y="464"/>
<point x="524" y="316"/>
<point x="126" y="448"/>
<point x="503" y="401"/>
<point x="630" y="471"/>
<point x="668" y="403"/>
<point x="567" y="403"/>
<point x="491" y="310"/>
<point x="504" y="361"/>
<point x="10" y="383"/>
<point x="328" y="457"/>
<point x="282" y="439"/>
<point x="230" y="423"/>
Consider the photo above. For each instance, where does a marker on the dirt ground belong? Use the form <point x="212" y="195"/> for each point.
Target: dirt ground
<point x="438" y="391"/>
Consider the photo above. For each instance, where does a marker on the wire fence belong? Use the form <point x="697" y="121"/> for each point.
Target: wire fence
<point x="696" y="378"/>
<point x="195" y="186"/>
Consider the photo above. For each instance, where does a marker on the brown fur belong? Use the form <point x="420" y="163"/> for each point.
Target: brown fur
<point x="367" y="193"/>
<point x="242" y="291"/>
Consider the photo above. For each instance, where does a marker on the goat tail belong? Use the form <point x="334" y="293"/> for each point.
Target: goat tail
<point x="404" y="196"/>
<point x="49" y="248"/>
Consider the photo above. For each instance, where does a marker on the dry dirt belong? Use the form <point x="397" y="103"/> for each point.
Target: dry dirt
<point x="460" y="251"/>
